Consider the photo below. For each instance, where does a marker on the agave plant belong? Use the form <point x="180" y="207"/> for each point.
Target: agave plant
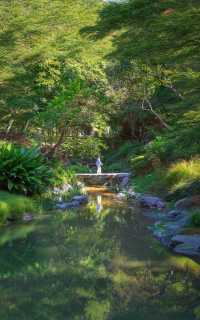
<point x="23" y="170"/>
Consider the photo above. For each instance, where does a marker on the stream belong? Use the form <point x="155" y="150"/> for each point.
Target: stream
<point x="98" y="262"/>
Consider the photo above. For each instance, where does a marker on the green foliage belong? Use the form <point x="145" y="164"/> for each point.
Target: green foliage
<point x="140" y="164"/>
<point x="123" y="151"/>
<point x="13" y="206"/>
<point x="180" y="179"/>
<point x="139" y="92"/>
<point x="185" y="190"/>
<point x="38" y="90"/>
<point x="58" y="113"/>
<point x="183" y="173"/>
<point x="157" y="147"/>
<point x="153" y="76"/>
<point x="196" y="219"/>
<point x="154" y="35"/>
<point x="197" y="312"/>
<point x="63" y="174"/>
<point x="153" y="182"/>
<point x="172" y="146"/>
<point x="115" y="166"/>
<point x="79" y="168"/>
<point x="72" y="120"/>
<point x="86" y="147"/>
<point x="23" y="170"/>
<point x="36" y="38"/>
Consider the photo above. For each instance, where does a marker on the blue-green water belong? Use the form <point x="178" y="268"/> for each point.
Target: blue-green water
<point x="93" y="264"/>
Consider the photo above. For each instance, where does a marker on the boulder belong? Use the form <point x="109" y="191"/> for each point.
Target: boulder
<point x="132" y="194"/>
<point x="67" y="205"/>
<point x="74" y="203"/>
<point x="124" y="182"/>
<point x="27" y="217"/>
<point x="175" y="215"/>
<point x="186" y="244"/>
<point x="154" y="215"/>
<point x="165" y="231"/>
<point x="81" y="199"/>
<point x="188" y="202"/>
<point x="151" y="202"/>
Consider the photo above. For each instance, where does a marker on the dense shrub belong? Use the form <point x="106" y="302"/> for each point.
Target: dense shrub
<point x="140" y="164"/>
<point x="196" y="219"/>
<point x="153" y="182"/>
<point x="126" y="149"/>
<point x="23" y="170"/>
<point x="183" y="173"/>
<point x="120" y="159"/>
<point x="115" y="166"/>
<point x="158" y="147"/>
<point x="169" y="147"/>
<point x="79" y="168"/>
<point x="86" y="147"/>
<point x="13" y="206"/>
<point x="179" y="180"/>
<point x="63" y="175"/>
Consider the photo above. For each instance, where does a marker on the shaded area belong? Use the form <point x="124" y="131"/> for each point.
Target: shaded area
<point x="157" y="31"/>
<point x="154" y="58"/>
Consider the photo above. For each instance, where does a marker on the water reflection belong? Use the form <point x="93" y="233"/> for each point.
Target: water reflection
<point x="99" y="206"/>
<point x="94" y="266"/>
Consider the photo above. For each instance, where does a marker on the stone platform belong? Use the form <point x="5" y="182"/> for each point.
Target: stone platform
<point x="104" y="178"/>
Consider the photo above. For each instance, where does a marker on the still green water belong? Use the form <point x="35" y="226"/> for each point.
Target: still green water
<point x="96" y="263"/>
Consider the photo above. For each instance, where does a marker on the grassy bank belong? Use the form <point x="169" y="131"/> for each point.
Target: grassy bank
<point x="158" y="169"/>
<point x="12" y="206"/>
<point x="177" y="180"/>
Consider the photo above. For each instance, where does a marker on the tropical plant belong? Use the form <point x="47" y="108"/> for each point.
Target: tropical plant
<point x="23" y="170"/>
<point x="63" y="174"/>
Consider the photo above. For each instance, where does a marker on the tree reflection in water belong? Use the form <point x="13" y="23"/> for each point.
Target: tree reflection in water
<point x="95" y="265"/>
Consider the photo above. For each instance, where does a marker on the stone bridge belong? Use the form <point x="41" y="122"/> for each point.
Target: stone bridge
<point x="121" y="178"/>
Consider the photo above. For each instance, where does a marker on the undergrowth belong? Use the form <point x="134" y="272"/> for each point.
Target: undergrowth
<point x="14" y="206"/>
<point x="178" y="180"/>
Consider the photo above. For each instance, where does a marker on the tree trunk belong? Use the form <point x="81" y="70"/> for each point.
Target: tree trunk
<point x="150" y="108"/>
<point x="56" y="146"/>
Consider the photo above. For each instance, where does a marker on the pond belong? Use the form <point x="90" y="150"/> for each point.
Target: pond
<point x="99" y="262"/>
